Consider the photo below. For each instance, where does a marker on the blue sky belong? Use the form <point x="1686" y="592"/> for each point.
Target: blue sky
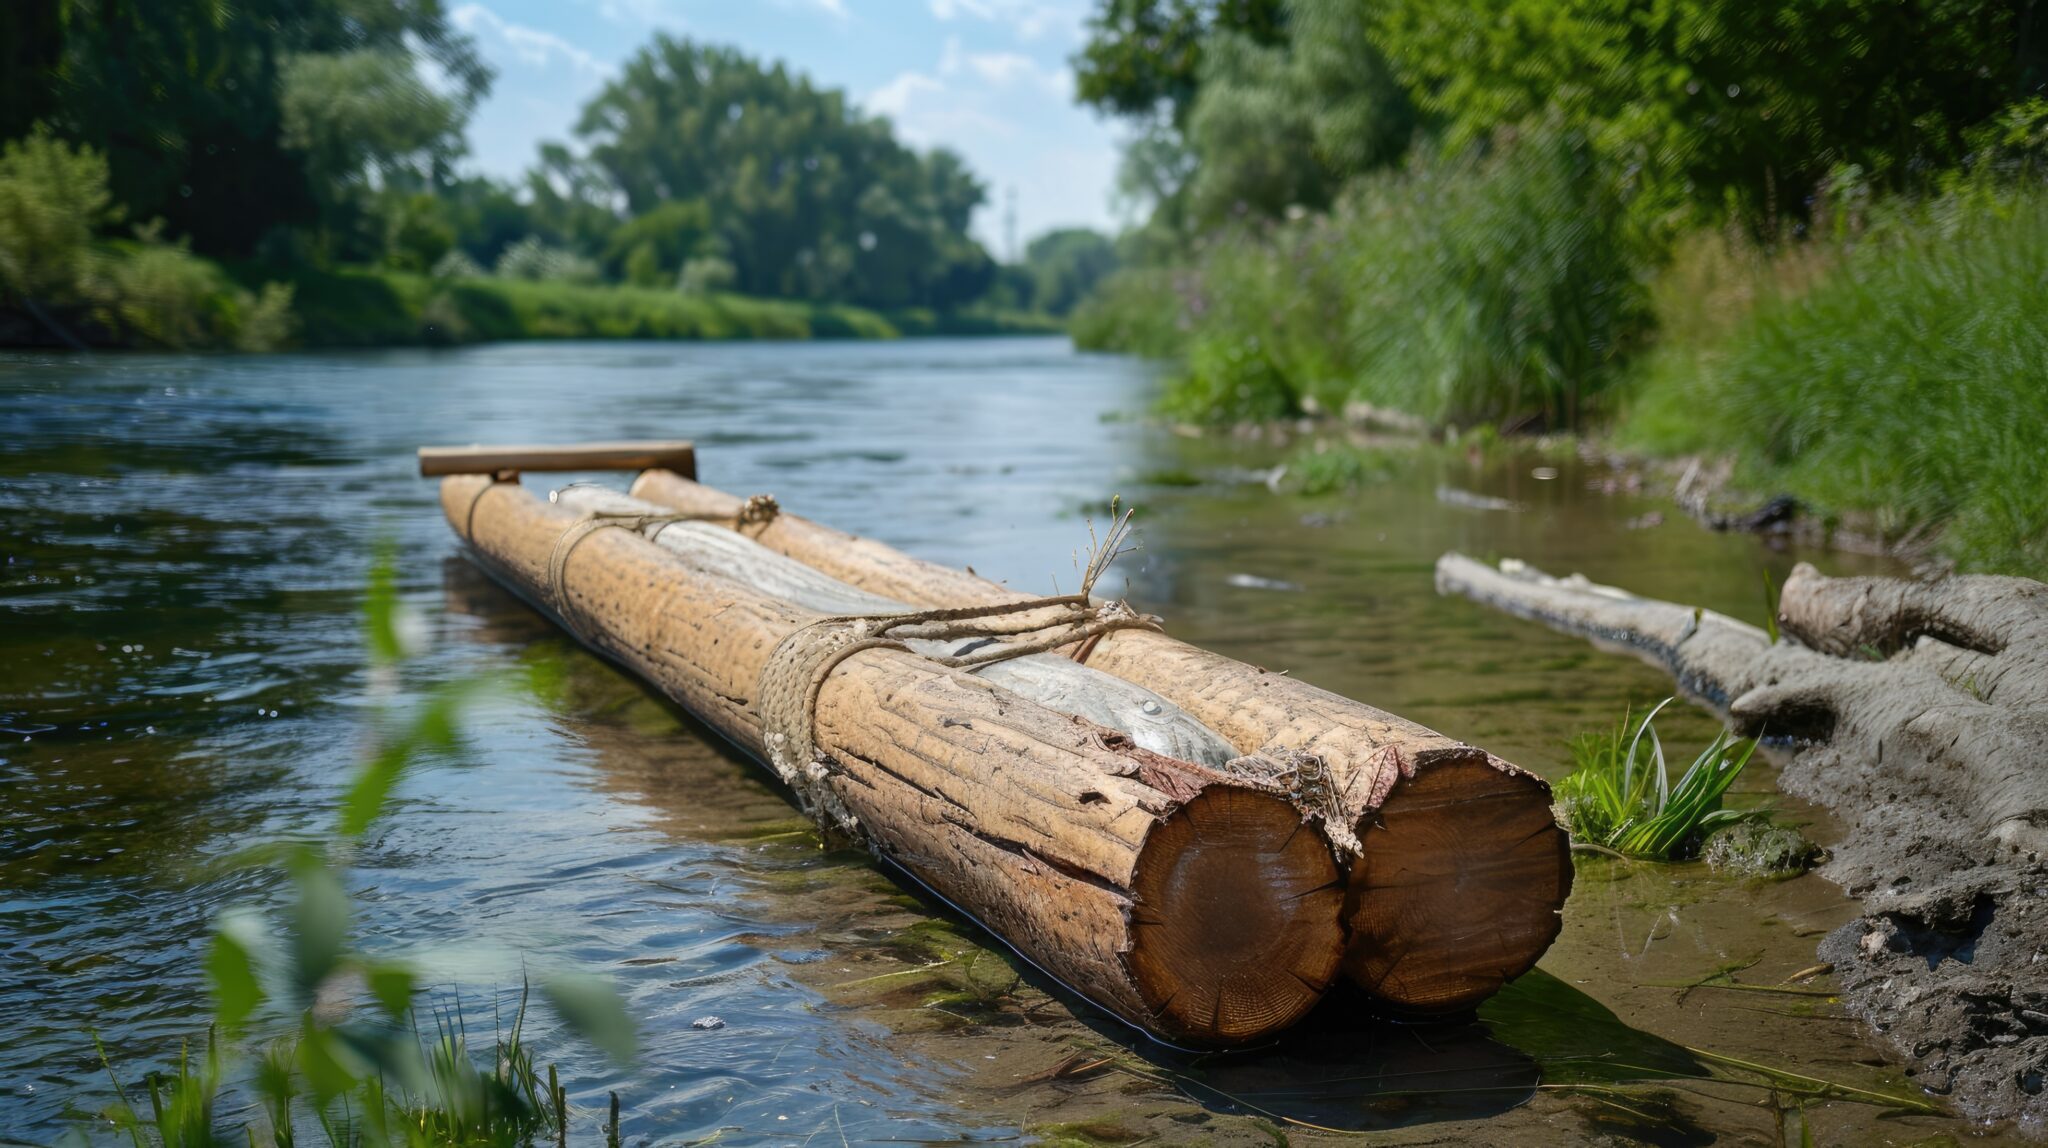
<point x="988" y="78"/>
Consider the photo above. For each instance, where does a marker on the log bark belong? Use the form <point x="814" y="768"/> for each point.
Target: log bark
<point x="1192" y="905"/>
<point x="1458" y="883"/>
<point x="1920" y="713"/>
<point x="1052" y="680"/>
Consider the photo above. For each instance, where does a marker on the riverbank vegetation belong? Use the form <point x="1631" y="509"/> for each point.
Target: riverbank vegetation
<point x="175" y="178"/>
<point x="1805" y="237"/>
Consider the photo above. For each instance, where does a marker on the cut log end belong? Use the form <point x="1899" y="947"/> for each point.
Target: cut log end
<point x="1457" y="887"/>
<point x="1235" y="919"/>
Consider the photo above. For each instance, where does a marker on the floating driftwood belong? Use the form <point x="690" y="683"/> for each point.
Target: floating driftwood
<point x="1922" y="710"/>
<point x="1187" y="900"/>
<point x="1459" y="869"/>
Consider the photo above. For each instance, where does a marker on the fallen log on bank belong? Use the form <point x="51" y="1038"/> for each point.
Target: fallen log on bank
<point x="1921" y="715"/>
<point x="1460" y="870"/>
<point x="1193" y="903"/>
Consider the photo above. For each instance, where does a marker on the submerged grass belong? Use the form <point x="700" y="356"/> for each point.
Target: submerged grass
<point x="1620" y="797"/>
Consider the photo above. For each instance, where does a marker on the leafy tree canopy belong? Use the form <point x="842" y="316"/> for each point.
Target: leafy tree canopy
<point x="810" y="197"/>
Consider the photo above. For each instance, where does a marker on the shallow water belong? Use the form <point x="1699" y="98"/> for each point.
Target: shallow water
<point x="182" y="675"/>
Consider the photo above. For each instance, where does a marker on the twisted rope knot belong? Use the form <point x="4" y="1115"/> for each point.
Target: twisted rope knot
<point x="786" y="694"/>
<point x="757" y="510"/>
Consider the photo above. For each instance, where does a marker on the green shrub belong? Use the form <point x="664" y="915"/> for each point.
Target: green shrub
<point x="533" y="260"/>
<point x="53" y="198"/>
<point x="1138" y="310"/>
<point x="169" y="297"/>
<point x="1495" y="287"/>
<point x="705" y="275"/>
<point x="1905" y="386"/>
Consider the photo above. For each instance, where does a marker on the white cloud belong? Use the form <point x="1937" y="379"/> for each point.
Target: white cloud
<point x="1004" y="69"/>
<point x="1027" y="19"/>
<point x="894" y="98"/>
<point x="833" y="8"/>
<point x="528" y="45"/>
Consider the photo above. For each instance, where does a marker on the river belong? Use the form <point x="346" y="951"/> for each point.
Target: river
<point x="188" y="541"/>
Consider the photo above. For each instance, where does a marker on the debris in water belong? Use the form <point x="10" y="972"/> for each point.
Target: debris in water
<point x="1645" y="521"/>
<point x="1254" y="582"/>
<point x="707" y="1023"/>
<point x="1452" y="496"/>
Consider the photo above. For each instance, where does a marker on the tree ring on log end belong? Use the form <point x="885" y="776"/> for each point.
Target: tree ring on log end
<point x="1235" y="917"/>
<point x="1457" y="888"/>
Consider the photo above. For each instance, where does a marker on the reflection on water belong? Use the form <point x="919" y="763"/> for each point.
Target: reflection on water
<point x="187" y="541"/>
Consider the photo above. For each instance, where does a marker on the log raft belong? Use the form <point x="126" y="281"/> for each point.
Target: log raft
<point x="1460" y="870"/>
<point x="1191" y="903"/>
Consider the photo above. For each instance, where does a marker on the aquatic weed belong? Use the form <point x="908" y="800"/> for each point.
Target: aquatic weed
<point x="1620" y="797"/>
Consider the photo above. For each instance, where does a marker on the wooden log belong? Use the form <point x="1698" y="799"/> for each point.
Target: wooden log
<point x="1052" y="680"/>
<point x="674" y="455"/>
<point x="1190" y="904"/>
<point x="1458" y="883"/>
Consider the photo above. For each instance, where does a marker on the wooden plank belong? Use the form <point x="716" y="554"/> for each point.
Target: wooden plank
<point x="679" y="455"/>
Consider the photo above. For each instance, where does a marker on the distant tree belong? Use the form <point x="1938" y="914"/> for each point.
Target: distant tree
<point x="809" y="197"/>
<point x="361" y="121"/>
<point x="671" y="233"/>
<point x="488" y="216"/>
<point x="1065" y="265"/>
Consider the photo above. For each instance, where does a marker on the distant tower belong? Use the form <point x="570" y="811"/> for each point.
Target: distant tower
<point x="1010" y="222"/>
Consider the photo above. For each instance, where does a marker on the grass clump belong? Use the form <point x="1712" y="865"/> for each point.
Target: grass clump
<point x="1903" y="387"/>
<point x="1620" y="798"/>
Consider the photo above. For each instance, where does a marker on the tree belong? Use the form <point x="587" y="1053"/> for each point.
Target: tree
<point x="1065" y="266"/>
<point x="1143" y="58"/>
<point x="184" y="98"/>
<point x="808" y="196"/>
<point x="1725" y="103"/>
<point x="365" y="120"/>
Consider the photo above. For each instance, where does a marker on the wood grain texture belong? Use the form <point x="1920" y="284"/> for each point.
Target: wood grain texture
<point x="1039" y="824"/>
<point x="1373" y="756"/>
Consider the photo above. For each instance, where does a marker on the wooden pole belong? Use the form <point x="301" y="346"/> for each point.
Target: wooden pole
<point x="1195" y="906"/>
<point x="674" y="455"/>
<point x="1461" y="870"/>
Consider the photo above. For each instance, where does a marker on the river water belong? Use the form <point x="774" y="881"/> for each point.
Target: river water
<point x="183" y="675"/>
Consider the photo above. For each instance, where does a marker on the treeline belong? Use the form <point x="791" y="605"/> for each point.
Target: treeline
<point x="163" y="162"/>
<point x="1543" y="214"/>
